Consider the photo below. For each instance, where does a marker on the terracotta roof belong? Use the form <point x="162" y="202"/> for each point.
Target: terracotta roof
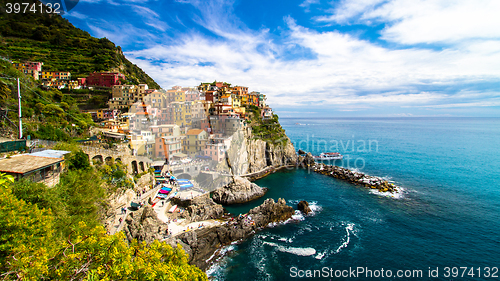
<point x="194" y="132"/>
<point x="26" y="163"/>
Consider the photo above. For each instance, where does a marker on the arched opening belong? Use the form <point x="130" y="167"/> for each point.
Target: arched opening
<point x="108" y="160"/>
<point x="97" y="159"/>
<point x="118" y="160"/>
<point x="184" y="176"/>
<point x="134" y="167"/>
<point x="141" y="165"/>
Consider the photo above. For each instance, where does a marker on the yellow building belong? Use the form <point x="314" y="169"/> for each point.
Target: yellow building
<point x="195" y="142"/>
<point x="180" y="96"/>
<point x="236" y="99"/>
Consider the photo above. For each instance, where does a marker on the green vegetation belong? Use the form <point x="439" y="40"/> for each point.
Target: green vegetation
<point x="56" y="234"/>
<point x="115" y="174"/>
<point x="268" y="130"/>
<point x="89" y="99"/>
<point x="54" y="41"/>
<point x="47" y="115"/>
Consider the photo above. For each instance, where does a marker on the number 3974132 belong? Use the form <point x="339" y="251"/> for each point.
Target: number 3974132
<point x="24" y="8"/>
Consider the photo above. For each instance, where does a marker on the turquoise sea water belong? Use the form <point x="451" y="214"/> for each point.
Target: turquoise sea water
<point x="448" y="214"/>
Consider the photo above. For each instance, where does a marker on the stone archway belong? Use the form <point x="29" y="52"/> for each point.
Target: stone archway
<point x="108" y="160"/>
<point x="118" y="160"/>
<point x="184" y="176"/>
<point x="134" y="167"/>
<point x="141" y="166"/>
<point x="97" y="159"/>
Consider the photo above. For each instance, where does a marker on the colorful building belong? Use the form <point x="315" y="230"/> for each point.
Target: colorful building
<point x="195" y="141"/>
<point x="104" y="79"/>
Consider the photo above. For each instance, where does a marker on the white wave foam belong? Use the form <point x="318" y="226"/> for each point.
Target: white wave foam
<point x="214" y="269"/>
<point x="293" y="250"/>
<point x="349" y="229"/>
<point x="320" y="255"/>
<point x="315" y="208"/>
<point x="298" y="216"/>
<point x="222" y="252"/>
<point x="399" y="193"/>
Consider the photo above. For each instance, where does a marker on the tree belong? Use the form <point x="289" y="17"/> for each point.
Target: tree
<point x="79" y="161"/>
<point x="31" y="250"/>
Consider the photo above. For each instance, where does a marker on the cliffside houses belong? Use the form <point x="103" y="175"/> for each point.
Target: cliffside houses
<point x="195" y="122"/>
<point x="62" y="79"/>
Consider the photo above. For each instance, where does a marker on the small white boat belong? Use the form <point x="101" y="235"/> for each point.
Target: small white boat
<point x="329" y="156"/>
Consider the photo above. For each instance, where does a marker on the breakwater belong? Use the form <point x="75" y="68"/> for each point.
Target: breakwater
<point x="354" y="177"/>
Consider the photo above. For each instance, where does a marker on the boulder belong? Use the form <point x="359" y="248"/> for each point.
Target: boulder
<point x="144" y="225"/>
<point x="202" y="208"/>
<point x="301" y="152"/>
<point x="303" y="206"/>
<point x="240" y="190"/>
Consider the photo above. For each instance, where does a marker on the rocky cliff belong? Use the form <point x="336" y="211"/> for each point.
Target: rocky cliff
<point x="240" y="190"/>
<point x="248" y="154"/>
<point x="203" y="243"/>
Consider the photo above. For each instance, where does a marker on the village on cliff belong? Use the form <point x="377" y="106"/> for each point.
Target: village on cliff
<point x="171" y="125"/>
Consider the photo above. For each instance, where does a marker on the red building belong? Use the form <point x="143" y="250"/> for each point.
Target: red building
<point x="104" y="79"/>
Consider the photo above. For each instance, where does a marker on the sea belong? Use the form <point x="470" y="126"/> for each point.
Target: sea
<point x="444" y="224"/>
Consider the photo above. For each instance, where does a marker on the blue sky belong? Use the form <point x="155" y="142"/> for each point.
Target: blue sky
<point x="317" y="58"/>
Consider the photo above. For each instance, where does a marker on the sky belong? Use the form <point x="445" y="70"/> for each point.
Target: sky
<point x="316" y="58"/>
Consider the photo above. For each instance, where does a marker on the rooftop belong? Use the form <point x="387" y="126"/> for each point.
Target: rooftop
<point x="50" y="153"/>
<point x="194" y="132"/>
<point x="23" y="164"/>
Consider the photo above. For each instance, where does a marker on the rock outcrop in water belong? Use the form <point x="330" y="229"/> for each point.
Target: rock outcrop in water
<point x="203" y="243"/>
<point x="240" y="190"/>
<point x="355" y="177"/>
<point x="303" y="206"/>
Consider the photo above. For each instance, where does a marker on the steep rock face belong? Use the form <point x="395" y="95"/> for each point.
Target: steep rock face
<point x="249" y="155"/>
<point x="144" y="225"/>
<point x="200" y="208"/>
<point x="202" y="243"/>
<point x="240" y="190"/>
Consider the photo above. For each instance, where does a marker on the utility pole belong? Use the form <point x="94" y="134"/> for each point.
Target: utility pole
<point x="20" y="111"/>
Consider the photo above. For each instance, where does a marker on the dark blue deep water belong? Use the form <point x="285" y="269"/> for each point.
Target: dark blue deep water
<point x="448" y="214"/>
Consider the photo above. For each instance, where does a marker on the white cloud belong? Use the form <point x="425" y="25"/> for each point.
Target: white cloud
<point x="423" y="21"/>
<point x="346" y="10"/>
<point x="343" y="73"/>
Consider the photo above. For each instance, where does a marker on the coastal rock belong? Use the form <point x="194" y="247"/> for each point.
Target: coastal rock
<point x="303" y="206"/>
<point x="203" y="243"/>
<point x="144" y="225"/>
<point x="307" y="160"/>
<point x="200" y="208"/>
<point x="240" y="190"/>
<point x="248" y="154"/>
<point x="356" y="177"/>
<point x="301" y="152"/>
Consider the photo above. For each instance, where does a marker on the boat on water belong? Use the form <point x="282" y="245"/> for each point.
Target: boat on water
<point x="329" y="156"/>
